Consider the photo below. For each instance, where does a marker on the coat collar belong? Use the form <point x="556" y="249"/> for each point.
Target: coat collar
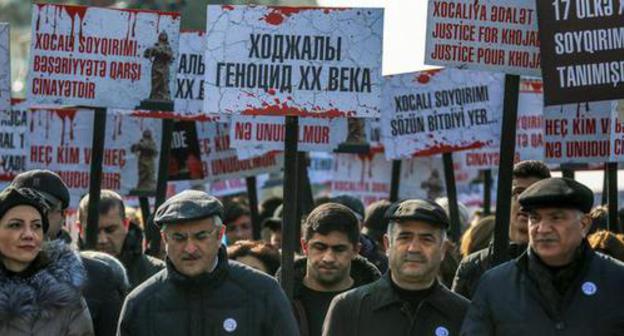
<point x="39" y="293"/>
<point x="386" y="296"/>
<point x="362" y="271"/>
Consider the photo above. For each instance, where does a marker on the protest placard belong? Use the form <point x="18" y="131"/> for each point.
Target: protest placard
<point x="14" y="140"/>
<point x="257" y="135"/>
<point x="293" y="61"/>
<point x="438" y="111"/>
<point x="219" y="159"/>
<point x="185" y="158"/>
<point x="582" y="44"/>
<point x="494" y="35"/>
<point x="368" y="177"/>
<point x="578" y="133"/>
<point x="101" y="57"/>
<point x="189" y="88"/>
<point x="321" y="167"/>
<point x="5" y="68"/>
<point x="529" y="131"/>
<point x="60" y="140"/>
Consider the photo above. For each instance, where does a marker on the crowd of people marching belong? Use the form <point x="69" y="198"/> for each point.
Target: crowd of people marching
<point x="387" y="269"/>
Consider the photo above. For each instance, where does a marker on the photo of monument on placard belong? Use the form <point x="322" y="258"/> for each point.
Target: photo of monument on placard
<point x="146" y="152"/>
<point x="161" y="57"/>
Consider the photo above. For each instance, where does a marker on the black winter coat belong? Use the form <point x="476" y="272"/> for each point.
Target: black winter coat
<point x="139" y="266"/>
<point x="376" y="309"/>
<point x="474" y="265"/>
<point x="232" y="300"/>
<point x="104" y="297"/>
<point x="508" y="301"/>
<point x="362" y="272"/>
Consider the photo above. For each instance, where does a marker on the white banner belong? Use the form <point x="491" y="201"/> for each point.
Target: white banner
<point x="101" y="57"/>
<point x="61" y="141"/>
<point x="529" y="131"/>
<point x="369" y="176"/>
<point x="189" y="92"/>
<point x="220" y="161"/>
<point x="261" y="134"/>
<point x="5" y="68"/>
<point x="578" y="133"/>
<point x="321" y="167"/>
<point x="493" y="35"/>
<point x="14" y="140"/>
<point x="437" y="111"/>
<point x="293" y="60"/>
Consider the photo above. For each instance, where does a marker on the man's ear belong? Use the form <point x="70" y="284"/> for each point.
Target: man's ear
<point x="221" y="232"/>
<point x="304" y="246"/>
<point x="586" y="224"/>
<point x="164" y="238"/>
<point x="357" y="248"/>
<point x="386" y="241"/>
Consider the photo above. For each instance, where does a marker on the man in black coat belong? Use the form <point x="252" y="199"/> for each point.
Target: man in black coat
<point x="331" y="266"/>
<point x="201" y="292"/>
<point x="559" y="286"/>
<point x="408" y="299"/>
<point x="472" y="267"/>
<point x="119" y="237"/>
<point x="103" y="293"/>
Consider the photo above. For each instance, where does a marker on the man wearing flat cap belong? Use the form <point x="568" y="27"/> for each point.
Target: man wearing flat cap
<point x="201" y="292"/>
<point x="408" y="299"/>
<point x="559" y="286"/>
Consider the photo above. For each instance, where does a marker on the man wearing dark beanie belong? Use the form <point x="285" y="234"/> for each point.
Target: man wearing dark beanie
<point x="103" y="297"/>
<point x="559" y="286"/>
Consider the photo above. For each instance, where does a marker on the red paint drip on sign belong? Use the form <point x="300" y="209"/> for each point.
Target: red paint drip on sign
<point x="70" y="114"/>
<point x="283" y="109"/>
<point x="440" y="148"/>
<point x="277" y="15"/>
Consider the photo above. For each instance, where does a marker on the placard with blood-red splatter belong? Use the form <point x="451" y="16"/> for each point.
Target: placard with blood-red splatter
<point x="189" y="87"/>
<point x="257" y="135"/>
<point x="14" y="139"/>
<point x="293" y="61"/>
<point x="368" y="177"/>
<point x="439" y="111"/>
<point x="220" y="161"/>
<point x="5" y="68"/>
<point x="529" y="130"/>
<point x="60" y="140"/>
<point x="97" y="57"/>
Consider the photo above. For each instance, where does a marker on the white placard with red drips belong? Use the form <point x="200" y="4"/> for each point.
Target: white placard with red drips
<point x="102" y="57"/>
<point x="219" y="158"/>
<point x="529" y="131"/>
<point x="268" y="60"/>
<point x="61" y="141"/>
<point x="439" y="111"/>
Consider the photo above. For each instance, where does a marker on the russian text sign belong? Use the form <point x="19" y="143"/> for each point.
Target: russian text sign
<point x="293" y="61"/>
<point x="189" y="88"/>
<point x="101" y="57"/>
